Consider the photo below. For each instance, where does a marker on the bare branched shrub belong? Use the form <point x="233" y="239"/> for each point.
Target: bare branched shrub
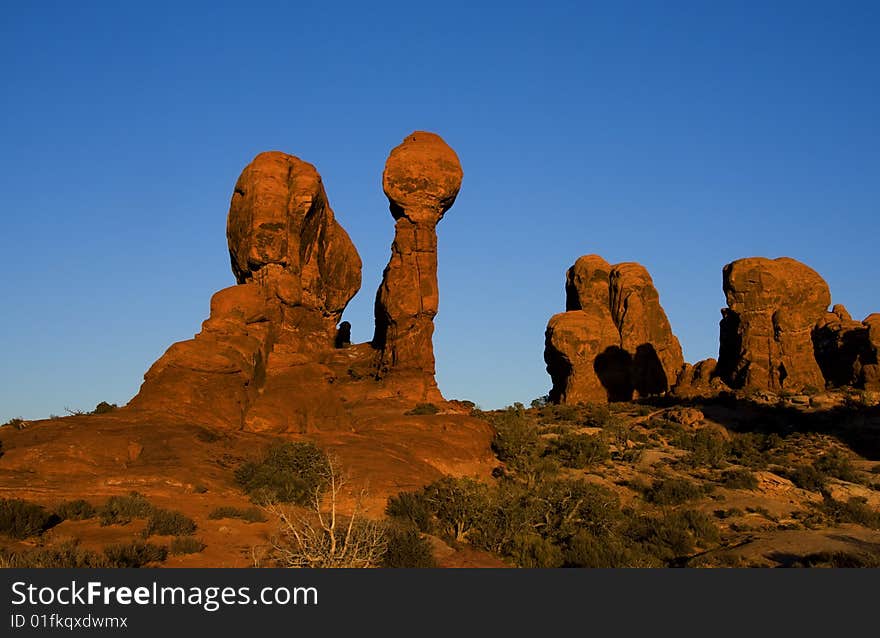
<point x="322" y="537"/>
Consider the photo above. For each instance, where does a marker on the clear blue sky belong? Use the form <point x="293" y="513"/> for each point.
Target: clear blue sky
<point x="679" y="135"/>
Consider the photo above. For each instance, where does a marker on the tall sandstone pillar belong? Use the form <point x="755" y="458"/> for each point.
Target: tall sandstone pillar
<point x="421" y="180"/>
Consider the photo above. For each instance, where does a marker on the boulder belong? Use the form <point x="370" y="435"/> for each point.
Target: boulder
<point x="766" y="330"/>
<point x="614" y="340"/>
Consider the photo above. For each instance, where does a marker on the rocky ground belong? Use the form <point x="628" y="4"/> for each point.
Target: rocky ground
<point x="775" y="481"/>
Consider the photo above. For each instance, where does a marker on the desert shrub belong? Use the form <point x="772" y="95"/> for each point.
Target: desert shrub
<point x="200" y="489"/>
<point x="673" y="535"/>
<point x="752" y="449"/>
<point x="169" y="523"/>
<point x="837" y="464"/>
<point x="535" y="551"/>
<point x="249" y="514"/>
<point x="875" y="469"/>
<point x="588" y="550"/>
<point x="134" y="554"/>
<point x="64" y="555"/>
<point x="413" y="508"/>
<point x="837" y="560"/>
<point x="17" y="423"/>
<point x="452" y="507"/>
<point x="290" y="472"/>
<point x="103" y="408"/>
<point x="672" y="491"/>
<point x="516" y="441"/>
<point x="855" y="510"/>
<point x="562" y="412"/>
<point x="407" y="548"/>
<point x="186" y="545"/>
<point x="729" y="513"/>
<point x="21" y="519"/>
<point x="807" y="477"/>
<point x="554" y="510"/>
<point x="423" y="409"/>
<point x="739" y="480"/>
<point x="121" y="510"/>
<point x="707" y="448"/>
<point x="76" y="510"/>
<point x="579" y="450"/>
<point x="458" y="504"/>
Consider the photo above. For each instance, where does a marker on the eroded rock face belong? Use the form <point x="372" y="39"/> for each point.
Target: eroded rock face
<point x="296" y="270"/>
<point x="421" y="180"/>
<point x="766" y="329"/>
<point x="842" y="348"/>
<point x="871" y="366"/>
<point x="614" y="340"/>
<point x="698" y="380"/>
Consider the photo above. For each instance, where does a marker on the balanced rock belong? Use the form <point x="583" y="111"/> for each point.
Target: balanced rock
<point x="614" y="339"/>
<point x="421" y="180"/>
<point x="766" y="329"/>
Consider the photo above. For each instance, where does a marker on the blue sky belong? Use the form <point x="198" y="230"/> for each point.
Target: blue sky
<point x="680" y="135"/>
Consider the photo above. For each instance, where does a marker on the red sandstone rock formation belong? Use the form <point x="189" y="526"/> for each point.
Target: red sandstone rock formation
<point x="845" y="351"/>
<point x="297" y="269"/>
<point x="766" y="340"/>
<point x="698" y="380"/>
<point x="614" y="340"/>
<point x="421" y="180"/>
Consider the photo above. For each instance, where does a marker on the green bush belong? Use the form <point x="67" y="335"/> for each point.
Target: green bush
<point x="134" y="554"/>
<point x="423" y="409"/>
<point x="807" y="477"/>
<point x="452" y="507"/>
<point x="516" y="441"/>
<point x="739" y="480"/>
<point x="289" y="472"/>
<point x="707" y="448"/>
<point x="672" y="491"/>
<point x="249" y="514"/>
<point x="855" y="510"/>
<point x="103" y="408"/>
<point x="186" y="545"/>
<point x="579" y="450"/>
<point x="169" y="523"/>
<point x="77" y="510"/>
<point x="673" y="535"/>
<point x="413" y="508"/>
<point x="588" y="550"/>
<point x="837" y="464"/>
<point x="121" y="510"/>
<point x="66" y="555"/>
<point x="406" y="547"/>
<point x="838" y="560"/>
<point x="22" y="519"/>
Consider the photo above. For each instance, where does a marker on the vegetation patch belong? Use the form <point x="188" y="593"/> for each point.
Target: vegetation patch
<point x="186" y="545"/>
<point x="169" y="523"/>
<point x="249" y="514"/>
<point x="423" y="409"/>
<point x="21" y="519"/>
<point x="76" y="510"/>
<point x="289" y="472"/>
<point x="121" y="510"/>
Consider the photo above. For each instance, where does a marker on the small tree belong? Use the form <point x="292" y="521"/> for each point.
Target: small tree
<point x="323" y="537"/>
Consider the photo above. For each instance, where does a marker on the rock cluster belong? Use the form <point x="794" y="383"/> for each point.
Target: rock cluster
<point x="270" y="357"/>
<point x="776" y="335"/>
<point x="614" y="341"/>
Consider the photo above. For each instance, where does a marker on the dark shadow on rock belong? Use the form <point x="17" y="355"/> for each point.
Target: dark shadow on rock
<point x="614" y="369"/>
<point x="343" y="335"/>
<point x="648" y="376"/>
